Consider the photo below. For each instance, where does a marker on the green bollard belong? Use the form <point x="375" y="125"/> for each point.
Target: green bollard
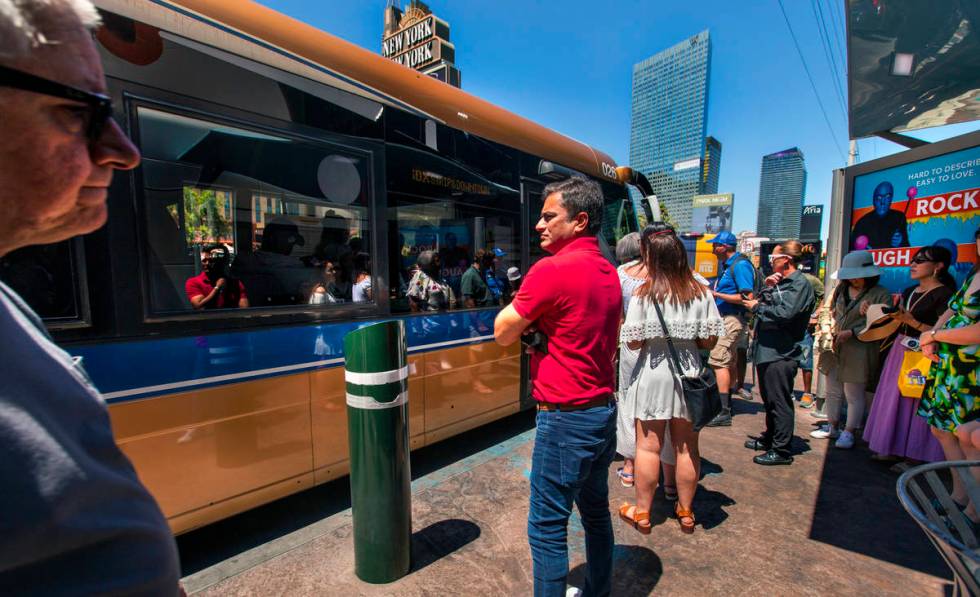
<point x="377" y="426"/>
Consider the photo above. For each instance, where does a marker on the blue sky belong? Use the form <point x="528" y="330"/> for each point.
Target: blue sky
<point x="568" y="65"/>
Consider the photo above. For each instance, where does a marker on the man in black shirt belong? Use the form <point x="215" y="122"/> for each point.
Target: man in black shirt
<point x="782" y="314"/>
<point x="883" y="228"/>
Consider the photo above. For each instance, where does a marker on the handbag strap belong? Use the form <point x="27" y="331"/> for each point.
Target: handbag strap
<point x="670" y="343"/>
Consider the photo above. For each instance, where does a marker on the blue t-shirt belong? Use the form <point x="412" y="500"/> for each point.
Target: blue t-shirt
<point x="733" y="280"/>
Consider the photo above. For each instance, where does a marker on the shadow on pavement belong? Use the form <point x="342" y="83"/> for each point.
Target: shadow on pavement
<point x="636" y="571"/>
<point x="440" y="539"/>
<point x="228" y="538"/>
<point x="857" y="509"/>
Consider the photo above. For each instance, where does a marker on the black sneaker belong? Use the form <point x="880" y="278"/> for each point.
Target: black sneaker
<point x="754" y="444"/>
<point x="722" y="419"/>
<point x="772" y="458"/>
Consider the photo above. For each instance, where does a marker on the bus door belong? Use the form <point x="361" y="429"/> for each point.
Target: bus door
<point x="531" y="252"/>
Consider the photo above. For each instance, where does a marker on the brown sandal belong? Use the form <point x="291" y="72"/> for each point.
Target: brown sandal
<point x="686" y="527"/>
<point x="640" y="520"/>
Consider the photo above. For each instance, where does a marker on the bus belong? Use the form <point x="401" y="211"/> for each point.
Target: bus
<point x="290" y="160"/>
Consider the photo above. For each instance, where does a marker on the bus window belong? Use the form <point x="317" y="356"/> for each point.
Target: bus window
<point x="241" y="219"/>
<point x="45" y="276"/>
<point x="434" y="245"/>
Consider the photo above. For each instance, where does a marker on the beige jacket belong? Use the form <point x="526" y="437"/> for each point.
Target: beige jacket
<point x="856" y="361"/>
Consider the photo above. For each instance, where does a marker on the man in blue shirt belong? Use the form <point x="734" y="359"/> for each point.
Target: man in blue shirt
<point x="736" y="277"/>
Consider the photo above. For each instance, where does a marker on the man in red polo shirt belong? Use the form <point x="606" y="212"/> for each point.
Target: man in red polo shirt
<point x="573" y="299"/>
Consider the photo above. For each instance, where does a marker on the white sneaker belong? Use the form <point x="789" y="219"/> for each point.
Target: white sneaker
<point x="845" y="441"/>
<point x="573" y="592"/>
<point x="825" y="432"/>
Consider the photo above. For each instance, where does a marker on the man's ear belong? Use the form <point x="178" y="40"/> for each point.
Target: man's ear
<point x="581" y="222"/>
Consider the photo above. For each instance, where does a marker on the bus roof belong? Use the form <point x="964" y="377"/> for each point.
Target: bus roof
<point x="367" y="74"/>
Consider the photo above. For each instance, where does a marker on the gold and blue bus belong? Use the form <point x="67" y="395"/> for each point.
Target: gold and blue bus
<point x="315" y="172"/>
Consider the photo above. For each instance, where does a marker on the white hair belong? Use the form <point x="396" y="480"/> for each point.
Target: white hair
<point x="26" y="24"/>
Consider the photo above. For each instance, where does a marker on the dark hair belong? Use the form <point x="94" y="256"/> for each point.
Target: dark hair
<point x="976" y="264"/>
<point x="668" y="276"/>
<point x="362" y="263"/>
<point x="941" y="255"/>
<point x="579" y="195"/>
<point x="216" y="247"/>
<point x="794" y="249"/>
<point x="870" y="282"/>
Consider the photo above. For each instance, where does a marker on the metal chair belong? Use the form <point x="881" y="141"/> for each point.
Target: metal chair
<point x="925" y="497"/>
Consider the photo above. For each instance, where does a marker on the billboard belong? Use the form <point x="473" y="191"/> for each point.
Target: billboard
<point x="924" y="196"/>
<point x="700" y="257"/>
<point x="912" y="64"/>
<point x="811" y="223"/>
<point x="711" y="214"/>
<point x="809" y="265"/>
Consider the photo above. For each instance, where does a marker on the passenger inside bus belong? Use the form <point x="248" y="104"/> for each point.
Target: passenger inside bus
<point x="428" y="290"/>
<point x="215" y="287"/>
<point x="272" y="274"/>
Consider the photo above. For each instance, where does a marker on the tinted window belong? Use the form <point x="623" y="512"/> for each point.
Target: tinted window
<point x="45" y="277"/>
<point x="443" y="213"/>
<point x="237" y="218"/>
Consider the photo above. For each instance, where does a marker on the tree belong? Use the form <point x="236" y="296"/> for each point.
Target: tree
<point x="205" y="218"/>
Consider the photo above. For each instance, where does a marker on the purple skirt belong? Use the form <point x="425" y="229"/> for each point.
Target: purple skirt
<point x="893" y="427"/>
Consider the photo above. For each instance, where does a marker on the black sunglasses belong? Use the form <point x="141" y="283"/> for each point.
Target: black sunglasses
<point x="921" y="259"/>
<point x="99" y="105"/>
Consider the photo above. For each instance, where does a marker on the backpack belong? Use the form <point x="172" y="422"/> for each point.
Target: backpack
<point x="758" y="281"/>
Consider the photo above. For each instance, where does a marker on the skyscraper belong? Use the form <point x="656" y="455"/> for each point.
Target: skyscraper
<point x="711" y="168"/>
<point x="669" y="119"/>
<point x="782" y="185"/>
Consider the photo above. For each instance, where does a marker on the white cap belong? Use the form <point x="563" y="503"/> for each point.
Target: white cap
<point x="513" y="274"/>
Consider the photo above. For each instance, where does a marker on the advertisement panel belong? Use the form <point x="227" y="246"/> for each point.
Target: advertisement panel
<point x="811" y="257"/>
<point x="811" y="223"/>
<point x="711" y="214"/>
<point x="931" y="201"/>
<point x="700" y="257"/>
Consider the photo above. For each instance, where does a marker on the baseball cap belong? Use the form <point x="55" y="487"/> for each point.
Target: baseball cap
<point x="724" y="238"/>
<point x="513" y="274"/>
<point x="499" y="252"/>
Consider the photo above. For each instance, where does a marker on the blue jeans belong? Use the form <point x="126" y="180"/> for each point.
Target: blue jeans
<point x="572" y="454"/>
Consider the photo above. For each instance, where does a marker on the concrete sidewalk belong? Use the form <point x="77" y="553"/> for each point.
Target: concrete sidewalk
<point x="828" y="524"/>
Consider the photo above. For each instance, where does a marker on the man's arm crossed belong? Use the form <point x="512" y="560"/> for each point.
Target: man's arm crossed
<point x="509" y="325"/>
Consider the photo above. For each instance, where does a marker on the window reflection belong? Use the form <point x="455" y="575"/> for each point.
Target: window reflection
<point x="250" y="219"/>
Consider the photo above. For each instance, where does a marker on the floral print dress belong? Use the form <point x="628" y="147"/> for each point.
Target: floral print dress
<point x="951" y="396"/>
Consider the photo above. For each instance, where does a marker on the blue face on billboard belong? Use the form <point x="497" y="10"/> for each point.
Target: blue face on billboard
<point x="935" y="201"/>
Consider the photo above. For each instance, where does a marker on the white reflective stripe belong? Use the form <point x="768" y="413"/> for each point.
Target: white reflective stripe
<point x="368" y="403"/>
<point x="377" y="378"/>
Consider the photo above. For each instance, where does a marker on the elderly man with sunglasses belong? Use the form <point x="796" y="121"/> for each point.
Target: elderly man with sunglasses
<point x="75" y="517"/>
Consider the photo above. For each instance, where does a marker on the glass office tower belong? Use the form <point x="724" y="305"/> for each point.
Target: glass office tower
<point x="711" y="168"/>
<point x="782" y="186"/>
<point x="669" y="119"/>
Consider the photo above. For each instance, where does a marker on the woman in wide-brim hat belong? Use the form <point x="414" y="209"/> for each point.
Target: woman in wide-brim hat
<point x="894" y="429"/>
<point x="849" y="367"/>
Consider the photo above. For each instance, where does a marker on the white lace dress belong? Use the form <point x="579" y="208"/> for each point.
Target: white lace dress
<point x="654" y="391"/>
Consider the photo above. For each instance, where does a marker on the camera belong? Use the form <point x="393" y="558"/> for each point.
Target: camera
<point x="536" y="340"/>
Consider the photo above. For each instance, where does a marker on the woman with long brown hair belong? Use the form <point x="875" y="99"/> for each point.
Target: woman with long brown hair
<point x="654" y="392"/>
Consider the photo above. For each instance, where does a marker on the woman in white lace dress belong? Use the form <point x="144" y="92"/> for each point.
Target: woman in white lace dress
<point x="632" y="273"/>
<point x="654" y="394"/>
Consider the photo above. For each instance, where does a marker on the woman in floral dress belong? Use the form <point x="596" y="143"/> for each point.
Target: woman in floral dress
<point x="951" y="397"/>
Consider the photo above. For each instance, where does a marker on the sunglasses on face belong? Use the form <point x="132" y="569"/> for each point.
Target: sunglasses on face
<point x="775" y="256"/>
<point x="921" y="259"/>
<point x="99" y="105"/>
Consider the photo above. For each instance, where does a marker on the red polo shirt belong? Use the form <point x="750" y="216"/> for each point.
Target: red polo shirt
<point x="573" y="297"/>
<point x="226" y="299"/>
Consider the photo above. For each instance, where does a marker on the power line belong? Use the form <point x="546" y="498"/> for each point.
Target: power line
<point x="840" y="31"/>
<point x="828" y="52"/>
<point x="813" y="85"/>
